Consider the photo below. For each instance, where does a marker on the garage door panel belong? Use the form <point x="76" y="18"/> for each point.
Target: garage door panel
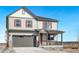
<point x="23" y="41"/>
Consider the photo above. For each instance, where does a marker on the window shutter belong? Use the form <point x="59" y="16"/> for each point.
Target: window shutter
<point x="26" y="23"/>
<point x="20" y="23"/>
<point x="31" y="24"/>
<point x="14" y="23"/>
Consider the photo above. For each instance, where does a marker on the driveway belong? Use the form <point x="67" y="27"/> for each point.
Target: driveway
<point x="30" y="50"/>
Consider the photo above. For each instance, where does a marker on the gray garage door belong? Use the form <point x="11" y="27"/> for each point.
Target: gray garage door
<point x="23" y="41"/>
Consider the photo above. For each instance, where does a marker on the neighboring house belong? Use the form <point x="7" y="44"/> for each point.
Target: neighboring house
<point x="24" y="29"/>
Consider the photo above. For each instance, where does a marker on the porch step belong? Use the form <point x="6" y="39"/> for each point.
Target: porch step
<point x="55" y="47"/>
<point x="52" y="42"/>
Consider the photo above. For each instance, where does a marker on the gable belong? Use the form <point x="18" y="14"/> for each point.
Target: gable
<point x="21" y="13"/>
<point x="24" y="12"/>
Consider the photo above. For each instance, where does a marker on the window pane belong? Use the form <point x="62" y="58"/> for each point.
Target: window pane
<point x="28" y="23"/>
<point x="47" y="25"/>
<point x="18" y="23"/>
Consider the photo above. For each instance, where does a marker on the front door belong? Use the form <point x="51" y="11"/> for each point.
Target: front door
<point x="43" y="39"/>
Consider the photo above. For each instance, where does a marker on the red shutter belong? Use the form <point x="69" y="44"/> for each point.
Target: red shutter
<point x="26" y="23"/>
<point x="14" y="23"/>
<point x="20" y="23"/>
<point x="31" y="24"/>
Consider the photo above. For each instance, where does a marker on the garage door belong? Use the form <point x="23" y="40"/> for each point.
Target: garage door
<point x="23" y="41"/>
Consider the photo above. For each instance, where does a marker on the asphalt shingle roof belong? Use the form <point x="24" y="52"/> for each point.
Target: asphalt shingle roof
<point x="39" y="18"/>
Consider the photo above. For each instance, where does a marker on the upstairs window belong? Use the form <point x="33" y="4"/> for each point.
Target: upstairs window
<point x="17" y="23"/>
<point x="44" y="25"/>
<point x="47" y="25"/>
<point x="23" y="12"/>
<point x="28" y="23"/>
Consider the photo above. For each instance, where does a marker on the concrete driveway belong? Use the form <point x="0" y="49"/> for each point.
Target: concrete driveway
<point x="30" y="50"/>
<point x="34" y="50"/>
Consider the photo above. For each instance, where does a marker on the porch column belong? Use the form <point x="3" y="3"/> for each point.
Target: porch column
<point x="53" y="39"/>
<point x="40" y="40"/>
<point x="61" y="38"/>
<point x="37" y="41"/>
<point x="47" y="39"/>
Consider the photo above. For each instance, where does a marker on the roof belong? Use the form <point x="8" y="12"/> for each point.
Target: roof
<point x="52" y="31"/>
<point x="39" y="18"/>
<point x="46" y="19"/>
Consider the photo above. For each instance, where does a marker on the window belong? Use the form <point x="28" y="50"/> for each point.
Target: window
<point x="23" y="12"/>
<point x="28" y="23"/>
<point x="44" y="25"/>
<point x="47" y="25"/>
<point x="17" y="23"/>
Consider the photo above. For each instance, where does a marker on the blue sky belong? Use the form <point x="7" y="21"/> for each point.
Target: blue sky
<point x="68" y="17"/>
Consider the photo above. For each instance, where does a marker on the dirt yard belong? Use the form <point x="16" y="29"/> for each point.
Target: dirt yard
<point x="71" y="48"/>
<point x="68" y="48"/>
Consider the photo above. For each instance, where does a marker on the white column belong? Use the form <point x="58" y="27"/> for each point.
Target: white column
<point x="37" y="41"/>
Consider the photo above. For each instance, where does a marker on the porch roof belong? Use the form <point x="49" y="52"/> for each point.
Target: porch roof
<point x="36" y="31"/>
<point x="54" y="32"/>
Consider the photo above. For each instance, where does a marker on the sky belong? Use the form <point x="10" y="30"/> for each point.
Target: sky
<point x="68" y="17"/>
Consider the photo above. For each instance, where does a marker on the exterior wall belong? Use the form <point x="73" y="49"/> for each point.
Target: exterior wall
<point x="11" y="34"/>
<point x="23" y="24"/>
<point x="40" y="25"/>
<point x="23" y="17"/>
<point x="54" y="25"/>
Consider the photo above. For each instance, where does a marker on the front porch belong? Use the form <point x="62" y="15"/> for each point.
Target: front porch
<point x="47" y="37"/>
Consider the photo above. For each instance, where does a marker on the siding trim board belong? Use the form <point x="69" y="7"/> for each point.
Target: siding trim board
<point x="37" y="31"/>
<point x="20" y="17"/>
<point x="21" y="31"/>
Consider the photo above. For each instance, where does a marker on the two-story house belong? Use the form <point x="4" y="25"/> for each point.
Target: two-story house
<point x="25" y="29"/>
